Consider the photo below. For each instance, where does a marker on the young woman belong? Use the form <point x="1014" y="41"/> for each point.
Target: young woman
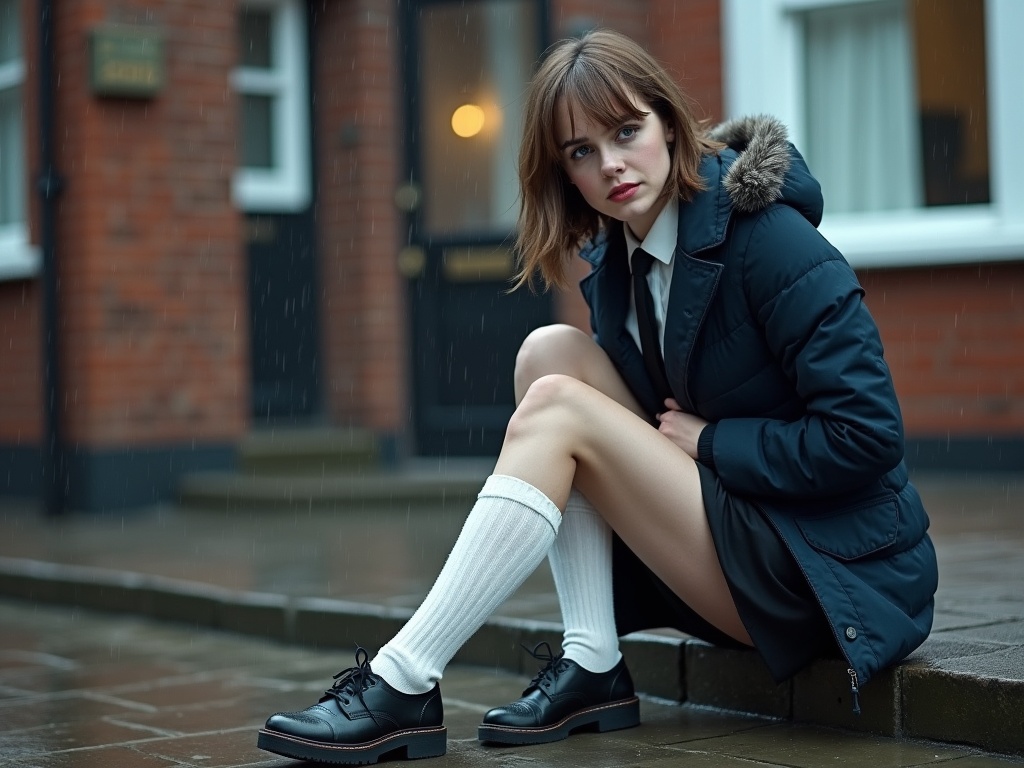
<point x="723" y="455"/>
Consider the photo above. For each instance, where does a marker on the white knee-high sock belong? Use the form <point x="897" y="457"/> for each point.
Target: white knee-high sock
<point x="581" y="562"/>
<point x="506" y="536"/>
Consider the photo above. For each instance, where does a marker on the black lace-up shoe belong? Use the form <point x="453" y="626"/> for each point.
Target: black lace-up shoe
<point x="562" y="698"/>
<point x="358" y="720"/>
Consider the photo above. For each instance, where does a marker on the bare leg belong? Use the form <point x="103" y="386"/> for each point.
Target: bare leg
<point x="577" y="424"/>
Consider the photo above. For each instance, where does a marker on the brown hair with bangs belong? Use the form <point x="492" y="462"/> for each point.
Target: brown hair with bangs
<point x="599" y="76"/>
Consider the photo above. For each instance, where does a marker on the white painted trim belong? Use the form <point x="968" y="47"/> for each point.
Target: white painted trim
<point x="1004" y="33"/>
<point x="18" y="258"/>
<point x="286" y="187"/>
<point x="957" y="234"/>
<point x="762" y="74"/>
<point x="12" y="73"/>
<point x="809" y="5"/>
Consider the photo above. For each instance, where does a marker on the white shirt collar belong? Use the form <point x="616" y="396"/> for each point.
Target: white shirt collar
<point x="661" y="240"/>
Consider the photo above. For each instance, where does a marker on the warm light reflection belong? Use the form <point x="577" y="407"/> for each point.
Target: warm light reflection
<point x="467" y="120"/>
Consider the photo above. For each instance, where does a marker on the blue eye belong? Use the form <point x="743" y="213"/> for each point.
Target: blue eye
<point x="628" y="132"/>
<point x="580" y="152"/>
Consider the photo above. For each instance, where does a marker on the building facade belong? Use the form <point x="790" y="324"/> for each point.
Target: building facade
<point x="217" y="218"/>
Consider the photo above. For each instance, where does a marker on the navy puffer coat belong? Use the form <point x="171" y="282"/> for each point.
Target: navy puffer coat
<point x="768" y="339"/>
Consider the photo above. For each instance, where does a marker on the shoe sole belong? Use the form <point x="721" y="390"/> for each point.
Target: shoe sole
<point x="606" y="717"/>
<point x="417" y="743"/>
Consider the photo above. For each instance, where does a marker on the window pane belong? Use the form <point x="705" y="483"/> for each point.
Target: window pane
<point x="896" y="107"/>
<point x="255" y="44"/>
<point x="949" y="38"/>
<point x="257" y="131"/>
<point x="478" y="56"/>
<point x="10" y="31"/>
<point x="12" y="151"/>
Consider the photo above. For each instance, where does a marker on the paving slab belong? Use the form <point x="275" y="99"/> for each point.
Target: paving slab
<point x="88" y="689"/>
<point x="316" y="577"/>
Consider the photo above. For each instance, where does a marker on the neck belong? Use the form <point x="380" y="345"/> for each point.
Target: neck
<point x="641" y="226"/>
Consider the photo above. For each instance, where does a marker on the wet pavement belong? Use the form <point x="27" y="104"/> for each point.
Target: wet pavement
<point x="81" y="688"/>
<point x="84" y="689"/>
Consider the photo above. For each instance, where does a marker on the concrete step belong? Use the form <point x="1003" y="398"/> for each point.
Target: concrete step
<point x="423" y="483"/>
<point x="306" y="451"/>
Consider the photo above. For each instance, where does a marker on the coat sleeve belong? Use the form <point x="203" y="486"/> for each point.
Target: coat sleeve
<point x="809" y="305"/>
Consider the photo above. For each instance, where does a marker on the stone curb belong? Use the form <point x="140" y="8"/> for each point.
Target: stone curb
<point x="916" y="699"/>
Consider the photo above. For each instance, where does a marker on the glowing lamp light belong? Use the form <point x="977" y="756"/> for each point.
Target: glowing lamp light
<point x="467" y="120"/>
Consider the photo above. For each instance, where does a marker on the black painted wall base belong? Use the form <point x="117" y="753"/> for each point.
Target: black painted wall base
<point x="966" y="454"/>
<point x="113" y="479"/>
<point x="21" y="471"/>
<point x="126" y="478"/>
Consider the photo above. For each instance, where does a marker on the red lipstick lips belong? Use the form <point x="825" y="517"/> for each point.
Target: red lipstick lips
<point x="622" y="192"/>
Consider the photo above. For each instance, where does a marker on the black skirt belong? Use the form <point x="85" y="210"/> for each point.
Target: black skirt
<point x="774" y="600"/>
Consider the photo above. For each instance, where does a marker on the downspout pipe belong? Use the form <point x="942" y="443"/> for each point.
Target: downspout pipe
<point x="54" y="475"/>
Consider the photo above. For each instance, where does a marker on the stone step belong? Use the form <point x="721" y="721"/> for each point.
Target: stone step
<point x="423" y="483"/>
<point x="306" y="451"/>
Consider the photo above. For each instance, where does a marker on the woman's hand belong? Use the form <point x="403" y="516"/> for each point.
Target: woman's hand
<point x="680" y="427"/>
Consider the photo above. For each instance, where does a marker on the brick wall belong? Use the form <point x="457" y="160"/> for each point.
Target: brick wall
<point x="358" y="142"/>
<point x="954" y="339"/>
<point x="152" y="275"/>
<point x="21" y="401"/>
<point x="686" y="36"/>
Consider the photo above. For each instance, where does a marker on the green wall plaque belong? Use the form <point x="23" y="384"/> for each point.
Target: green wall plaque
<point x="126" y="61"/>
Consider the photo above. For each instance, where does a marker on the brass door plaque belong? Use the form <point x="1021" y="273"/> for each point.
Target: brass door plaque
<point x="126" y="61"/>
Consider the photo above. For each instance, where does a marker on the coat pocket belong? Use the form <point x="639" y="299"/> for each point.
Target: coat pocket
<point x="855" y="532"/>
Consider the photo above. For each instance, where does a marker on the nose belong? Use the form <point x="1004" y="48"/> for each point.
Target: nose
<point x="611" y="162"/>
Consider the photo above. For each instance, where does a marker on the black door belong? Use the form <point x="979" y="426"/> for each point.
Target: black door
<point x="283" y="318"/>
<point x="465" y="69"/>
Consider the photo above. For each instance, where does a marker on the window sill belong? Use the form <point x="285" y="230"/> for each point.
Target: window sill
<point x="19" y="260"/>
<point x="967" y="235"/>
<point x="270" y="192"/>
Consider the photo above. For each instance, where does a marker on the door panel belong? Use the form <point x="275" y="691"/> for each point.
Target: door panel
<point x="475" y="58"/>
<point x="467" y="331"/>
<point x="283" y="318"/>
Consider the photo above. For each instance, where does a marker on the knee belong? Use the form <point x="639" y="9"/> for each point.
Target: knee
<point x="545" y="405"/>
<point x="547" y="350"/>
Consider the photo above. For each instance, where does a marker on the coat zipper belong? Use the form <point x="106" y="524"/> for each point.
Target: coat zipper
<point x="854" y="680"/>
<point x="854" y="690"/>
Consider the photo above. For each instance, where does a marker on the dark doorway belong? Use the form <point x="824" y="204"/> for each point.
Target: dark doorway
<point x="283" y="318"/>
<point x="466" y="66"/>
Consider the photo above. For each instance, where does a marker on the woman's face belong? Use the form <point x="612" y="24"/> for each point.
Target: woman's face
<point x="619" y="169"/>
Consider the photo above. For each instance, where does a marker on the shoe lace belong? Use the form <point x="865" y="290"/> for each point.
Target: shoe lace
<point x="353" y="681"/>
<point x="542" y="652"/>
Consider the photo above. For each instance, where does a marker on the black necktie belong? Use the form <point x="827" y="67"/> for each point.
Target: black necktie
<point x="649" y="343"/>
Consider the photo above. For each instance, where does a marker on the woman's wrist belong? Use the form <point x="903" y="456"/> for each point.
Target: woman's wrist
<point x="705" y="446"/>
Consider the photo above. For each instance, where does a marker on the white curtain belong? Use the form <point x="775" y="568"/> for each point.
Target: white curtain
<point x="861" y="111"/>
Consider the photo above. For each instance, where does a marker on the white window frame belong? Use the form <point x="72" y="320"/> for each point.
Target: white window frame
<point x="286" y="187"/>
<point x="763" y="74"/>
<point x="18" y="258"/>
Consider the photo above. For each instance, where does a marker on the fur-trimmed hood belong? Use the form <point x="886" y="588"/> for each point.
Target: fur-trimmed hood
<point x="767" y="168"/>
